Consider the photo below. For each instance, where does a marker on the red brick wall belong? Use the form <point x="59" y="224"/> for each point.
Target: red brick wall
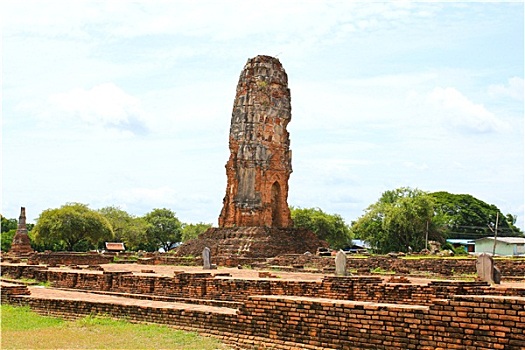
<point x="285" y="322"/>
<point x="205" y="286"/>
<point x="70" y="258"/>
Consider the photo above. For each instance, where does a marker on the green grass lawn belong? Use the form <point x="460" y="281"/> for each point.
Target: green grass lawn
<point x="24" y="329"/>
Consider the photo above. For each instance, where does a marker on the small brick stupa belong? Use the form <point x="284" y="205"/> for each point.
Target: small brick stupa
<point x="21" y="245"/>
<point x="255" y="218"/>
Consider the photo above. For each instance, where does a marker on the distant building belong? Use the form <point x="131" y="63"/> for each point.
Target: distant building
<point x="115" y="247"/>
<point x="504" y="245"/>
<point x="358" y="246"/>
<point x="467" y="244"/>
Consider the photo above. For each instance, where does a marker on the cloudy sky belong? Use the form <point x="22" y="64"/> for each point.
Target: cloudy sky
<point x="129" y="103"/>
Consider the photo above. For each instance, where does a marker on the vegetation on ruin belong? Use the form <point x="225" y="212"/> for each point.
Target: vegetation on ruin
<point x="24" y="329"/>
<point x="381" y="271"/>
<point x="402" y="219"/>
<point x="329" y="227"/>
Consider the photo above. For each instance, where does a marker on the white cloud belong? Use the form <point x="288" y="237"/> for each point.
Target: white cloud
<point x="513" y="89"/>
<point x="104" y="105"/>
<point x="462" y="113"/>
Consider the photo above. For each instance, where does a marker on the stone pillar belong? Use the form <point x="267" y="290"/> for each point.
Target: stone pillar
<point x="206" y="258"/>
<point x="340" y="263"/>
<point x="260" y="157"/>
<point x="21" y="244"/>
<point x="486" y="270"/>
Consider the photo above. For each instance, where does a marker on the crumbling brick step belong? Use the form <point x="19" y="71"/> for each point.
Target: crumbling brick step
<point x="47" y="293"/>
<point x="209" y="302"/>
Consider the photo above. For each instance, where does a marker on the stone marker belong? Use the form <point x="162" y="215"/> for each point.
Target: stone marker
<point x="206" y="259"/>
<point x="486" y="270"/>
<point x="340" y="263"/>
<point x="496" y="276"/>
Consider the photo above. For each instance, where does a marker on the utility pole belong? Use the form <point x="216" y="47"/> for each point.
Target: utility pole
<point x="495" y="234"/>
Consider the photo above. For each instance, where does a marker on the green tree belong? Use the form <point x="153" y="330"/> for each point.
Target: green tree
<point x="128" y="229"/>
<point x="329" y="227"/>
<point x="464" y="216"/>
<point x="6" y="238"/>
<point x="398" y="221"/>
<point x="73" y="226"/>
<point x="164" y="228"/>
<point x="192" y="231"/>
<point x="8" y="231"/>
<point x="8" y="224"/>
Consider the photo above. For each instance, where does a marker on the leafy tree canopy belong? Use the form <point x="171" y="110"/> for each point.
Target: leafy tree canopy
<point x="164" y="228"/>
<point x="8" y="224"/>
<point x="398" y="221"/>
<point x="192" y="231"/>
<point x="73" y="226"/>
<point x="464" y="216"/>
<point x="128" y="229"/>
<point x="403" y="217"/>
<point x="9" y="227"/>
<point x="329" y="227"/>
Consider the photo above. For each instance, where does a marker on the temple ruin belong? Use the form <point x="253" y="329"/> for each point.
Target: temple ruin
<point x="269" y="294"/>
<point x="260" y="161"/>
<point x="255" y="218"/>
<point x="21" y="245"/>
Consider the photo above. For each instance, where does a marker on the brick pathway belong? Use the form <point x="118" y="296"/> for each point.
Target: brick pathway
<point x="52" y="293"/>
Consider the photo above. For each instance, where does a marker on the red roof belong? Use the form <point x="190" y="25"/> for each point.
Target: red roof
<point x="115" y="246"/>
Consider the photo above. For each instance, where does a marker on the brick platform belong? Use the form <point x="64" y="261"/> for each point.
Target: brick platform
<point x="291" y="322"/>
<point x="358" y="312"/>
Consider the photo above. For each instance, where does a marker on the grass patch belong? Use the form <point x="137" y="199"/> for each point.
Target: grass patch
<point x="436" y="257"/>
<point x="24" y="329"/>
<point x="23" y="319"/>
<point x="381" y="271"/>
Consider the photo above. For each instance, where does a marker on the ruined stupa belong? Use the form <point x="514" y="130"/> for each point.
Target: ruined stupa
<point x="255" y="218"/>
<point x="21" y="245"/>
<point x="260" y="161"/>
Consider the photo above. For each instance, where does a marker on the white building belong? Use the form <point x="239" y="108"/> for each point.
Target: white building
<point x="504" y="245"/>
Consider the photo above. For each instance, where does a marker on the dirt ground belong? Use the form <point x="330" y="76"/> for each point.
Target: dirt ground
<point x="168" y="270"/>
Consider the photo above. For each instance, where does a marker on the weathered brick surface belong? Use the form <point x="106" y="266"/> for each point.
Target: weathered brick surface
<point x="230" y="246"/>
<point x="205" y="285"/>
<point x="291" y="322"/>
<point x="69" y="258"/>
<point x="439" y="267"/>
<point x="21" y="244"/>
<point x="260" y="158"/>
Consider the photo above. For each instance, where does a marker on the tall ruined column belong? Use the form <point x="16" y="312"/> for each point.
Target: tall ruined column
<point x="21" y="244"/>
<point x="260" y="157"/>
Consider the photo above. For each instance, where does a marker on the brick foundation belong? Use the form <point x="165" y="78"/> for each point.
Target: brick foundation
<point x="220" y="287"/>
<point x="291" y="322"/>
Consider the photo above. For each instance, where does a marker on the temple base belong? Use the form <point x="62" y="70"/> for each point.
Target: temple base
<point x="252" y="242"/>
<point x="21" y="245"/>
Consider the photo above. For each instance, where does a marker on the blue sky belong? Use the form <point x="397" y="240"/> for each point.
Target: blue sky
<point x="129" y="103"/>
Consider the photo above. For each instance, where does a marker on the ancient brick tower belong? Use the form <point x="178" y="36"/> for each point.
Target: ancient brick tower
<point x="21" y="244"/>
<point x="260" y="158"/>
<point x="255" y="219"/>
